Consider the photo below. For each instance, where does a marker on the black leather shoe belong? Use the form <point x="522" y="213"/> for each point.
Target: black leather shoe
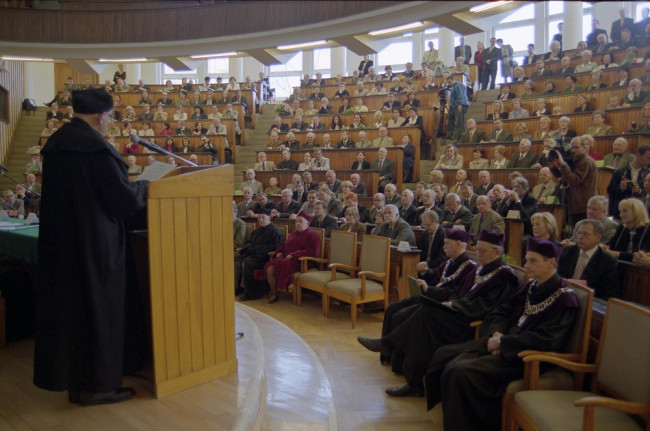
<point x="405" y="391"/>
<point x="372" y="344"/>
<point x="112" y="397"/>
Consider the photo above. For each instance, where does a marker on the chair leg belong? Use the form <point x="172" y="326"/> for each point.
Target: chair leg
<point x="353" y="314"/>
<point x="325" y="303"/>
<point x="297" y="292"/>
<point x="506" y="404"/>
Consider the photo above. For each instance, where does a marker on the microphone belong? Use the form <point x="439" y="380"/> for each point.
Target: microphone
<point x="3" y="172"/>
<point x="3" y="168"/>
<point x="138" y="140"/>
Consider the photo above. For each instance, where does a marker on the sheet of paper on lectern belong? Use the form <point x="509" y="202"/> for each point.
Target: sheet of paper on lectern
<point x="155" y="171"/>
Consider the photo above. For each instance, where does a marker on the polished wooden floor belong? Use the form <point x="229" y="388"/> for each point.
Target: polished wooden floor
<point x="297" y="371"/>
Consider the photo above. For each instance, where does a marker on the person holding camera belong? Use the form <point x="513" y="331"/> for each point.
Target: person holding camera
<point x="627" y="181"/>
<point x="581" y="178"/>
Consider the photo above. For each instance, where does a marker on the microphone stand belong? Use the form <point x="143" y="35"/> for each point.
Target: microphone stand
<point x="3" y="172"/>
<point x="156" y="148"/>
<point x="4" y="202"/>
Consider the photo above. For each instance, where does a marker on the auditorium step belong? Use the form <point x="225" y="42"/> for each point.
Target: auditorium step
<point x="26" y="135"/>
<point x="256" y="140"/>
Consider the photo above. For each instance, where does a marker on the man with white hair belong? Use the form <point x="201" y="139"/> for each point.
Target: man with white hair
<point x="386" y="168"/>
<point x="619" y="156"/>
<point x="546" y="186"/>
<point x="484" y="183"/>
<point x="525" y="158"/>
<point x="636" y="95"/>
<point x="378" y="203"/>
<point x="471" y="135"/>
<point x="383" y="140"/>
<point x="247" y="204"/>
<point x="455" y="213"/>
<point x="596" y="210"/>
<point x="134" y="169"/>
<point x="286" y="206"/>
<point x="390" y="191"/>
<point x="395" y="228"/>
<point x="407" y="211"/>
<point x="256" y="186"/>
<point x="486" y="218"/>
<point x="363" y="142"/>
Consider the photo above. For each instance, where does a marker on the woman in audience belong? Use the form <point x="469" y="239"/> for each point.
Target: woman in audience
<point x="589" y="142"/>
<point x="128" y="129"/>
<point x="544" y="129"/>
<point x="337" y="123"/>
<point x="186" y="148"/>
<point x="478" y="60"/>
<point x="541" y="108"/>
<point x="519" y="74"/>
<point x="304" y="166"/>
<point x="479" y="161"/>
<point x="232" y="84"/>
<point x="564" y="133"/>
<point x="596" y="81"/>
<point x="544" y="226"/>
<point x="499" y="161"/>
<point x="582" y="104"/>
<point x="129" y="114"/>
<point x="311" y="110"/>
<point x="117" y="100"/>
<point x="599" y="126"/>
<point x="633" y="234"/>
<point x="607" y="62"/>
<point x="352" y="223"/>
<point x="556" y="111"/>
<point x="346" y="187"/>
<point x="572" y="85"/>
<point x="160" y="114"/>
<point x="411" y="100"/>
<point x="166" y="129"/>
<point x="131" y="147"/>
<point x="180" y="114"/>
<point x="119" y="73"/>
<point x="555" y="53"/>
<point x="199" y="129"/>
<point x="623" y="78"/>
<point x="182" y="98"/>
<point x="430" y="85"/>
<point x="302" y="242"/>
<point x="379" y="120"/>
<point x="505" y="93"/>
<point x="497" y="111"/>
<point x="521" y="132"/>
<point x="345" y="104"/>
<point x="529" y="89"/>
<point x="49" y="128"/>
<point x="550" y="88"/>
<point x="146" y="130"/>
<point x="169" y="87"/>
<point x="198" y="114"/>
<point x="169" y="145"/>
<point x="517" y="111"/>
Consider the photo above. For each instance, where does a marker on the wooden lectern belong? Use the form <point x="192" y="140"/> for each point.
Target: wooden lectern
<point x="191" y="277"/>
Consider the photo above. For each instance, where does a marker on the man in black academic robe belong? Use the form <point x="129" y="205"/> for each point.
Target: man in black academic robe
<point x="89" y="320"/>
<point x="470" y="378"/>
<point x="266" y="238"/>
<point x="433" y="325"/>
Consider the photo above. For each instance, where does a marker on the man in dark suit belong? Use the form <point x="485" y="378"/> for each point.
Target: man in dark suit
<point x="463" y="50"/>
<point x="164" y="99"/>
<point x="332" y="182"/>
<point x="432" y="253"/>
<point x="240" y="99"/>
<point x="316" y="94"/>
<point x="407" y="211"/>
<point x="286" y="206"/>
<point x="620" y="24"/>
<point x="587" y="261"/>
<point x="391" y="103"/>
<point x="322" y="219"/>
<point x="491" y="58"/>
<point x="279" y="126"/>
<point x="540" y="72"/>
<point x="361" y="163"/>
<point x="520" y="200"/>
<point x="455" y="213"/>
<point x="357" y="186"/>
<point x="499" y="134"/>
<point x="592" y="38"/>
<point x="467" y="196"/>
<point x="299" y="192"/>
<point x="524" y="158"/>
<point x="298" y="125"/>
<point x="386" y="168"/>
<point x="471" y="135"/>
<point x="484" y="183"/>
<point x="345" y="141"/>
<point x="485" y="219"/>
<point x="531" y="58"/>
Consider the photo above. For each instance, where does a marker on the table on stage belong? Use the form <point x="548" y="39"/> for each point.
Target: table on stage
<point x="21" y="244"/>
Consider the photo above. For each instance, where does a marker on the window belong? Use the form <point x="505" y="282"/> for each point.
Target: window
<point x="586" y="26"/>
<point x="639" y="10"/>
<point x="512" y="36"/>
<point x="219" y="66"/>
<point x="169" y="71"/>
<point x="284" y="85"/>
<point x="555" y="7"/>
<point x="322" y="59"/>
<point x="395" y="54"/>
<point x="552" y="31"/>
<point x="293" y="65"/>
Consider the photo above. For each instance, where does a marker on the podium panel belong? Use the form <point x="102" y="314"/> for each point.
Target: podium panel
<point x="191" y="277"/>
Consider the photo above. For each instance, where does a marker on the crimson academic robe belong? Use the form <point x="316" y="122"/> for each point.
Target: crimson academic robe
<point x="470" y="381"/>
<point x="89" y="326"/>
<point x="430" y="327"/>
<point x="298" y="244"/>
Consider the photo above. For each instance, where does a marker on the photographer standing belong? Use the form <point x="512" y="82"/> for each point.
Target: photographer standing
<point x="581" y="179"/>
<point x="627" y="181"/>
<point x="458" y="104"/>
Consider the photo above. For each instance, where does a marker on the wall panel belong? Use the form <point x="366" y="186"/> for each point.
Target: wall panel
<point x="11" y="78"/>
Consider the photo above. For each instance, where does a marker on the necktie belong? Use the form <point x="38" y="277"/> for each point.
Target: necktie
<point x="580" y="266"/>
<point x="615" y="160"/>
<point x="471" y="135"/>
<point x="430" y="244"/>
<point x="480" y="223"/>
<point x="381" y="163"/>
<point x="541" y="190"/>
<point x="264" y="166"/>
<point x="318" y="164"/>
<point x="521" y="156"/>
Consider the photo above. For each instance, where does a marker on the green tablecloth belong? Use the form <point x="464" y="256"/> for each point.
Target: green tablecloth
<point x="20" y="244"/>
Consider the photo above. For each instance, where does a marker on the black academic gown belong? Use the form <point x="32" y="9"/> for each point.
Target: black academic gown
<point x="445" y="280"/>
<point x="430" y="327"/>
<point x="470" y="381"/>
<point x="255" y="255"/>
<point x="89" y="326"/>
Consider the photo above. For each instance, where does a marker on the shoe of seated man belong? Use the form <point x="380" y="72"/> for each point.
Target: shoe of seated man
<point x="84" y="398"/>
<point x="405" y="391"/>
